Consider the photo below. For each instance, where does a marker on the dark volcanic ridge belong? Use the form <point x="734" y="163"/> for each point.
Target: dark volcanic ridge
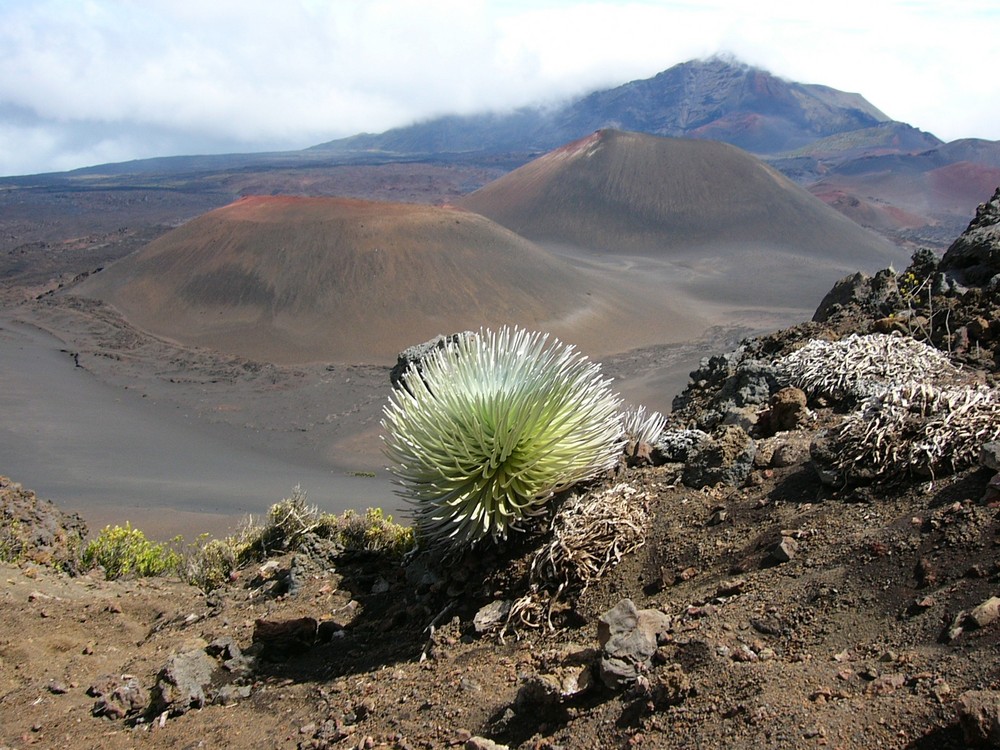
<point x="324" y="279"/>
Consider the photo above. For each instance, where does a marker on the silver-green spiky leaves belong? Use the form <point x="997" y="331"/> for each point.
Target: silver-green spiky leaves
<point x="492" y="427"/>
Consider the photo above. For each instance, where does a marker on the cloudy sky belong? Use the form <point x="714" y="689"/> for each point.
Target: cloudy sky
<point x="86" y="82"/>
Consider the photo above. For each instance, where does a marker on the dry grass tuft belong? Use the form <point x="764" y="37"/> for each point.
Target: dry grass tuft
<point x="591" y="533"/>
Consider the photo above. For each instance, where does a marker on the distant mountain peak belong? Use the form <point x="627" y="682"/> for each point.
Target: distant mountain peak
<point x="716" y="98"/>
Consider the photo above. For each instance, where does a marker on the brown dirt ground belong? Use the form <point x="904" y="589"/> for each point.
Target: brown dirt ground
<point x="841" y="646"/>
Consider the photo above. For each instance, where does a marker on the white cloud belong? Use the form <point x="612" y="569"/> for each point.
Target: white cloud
<point x="261" y="74"/>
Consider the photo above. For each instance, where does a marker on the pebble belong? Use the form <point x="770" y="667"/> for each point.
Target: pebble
<point x="784" y="551"/>
<point x="985" y="613"/>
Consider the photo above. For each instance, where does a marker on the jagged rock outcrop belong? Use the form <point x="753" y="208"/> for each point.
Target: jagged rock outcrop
<point x="974" y="258"/>
<point x="33" y="529"/>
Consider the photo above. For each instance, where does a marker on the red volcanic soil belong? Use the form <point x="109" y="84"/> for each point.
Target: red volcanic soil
<point x="290" y="279"/>
<point x="961" y="186"/>
<point x="870" y="213"/>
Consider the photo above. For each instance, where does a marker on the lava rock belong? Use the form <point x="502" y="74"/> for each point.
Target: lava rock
<point x="727" y="458"/>
<point x="979" y="717"/>
<point x="182" y="683"/>
<point x="628" y="638"/>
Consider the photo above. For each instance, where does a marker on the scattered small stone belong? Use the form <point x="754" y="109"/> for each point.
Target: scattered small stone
<point x="118" y="698"/>
<point x="687" y="574"/>
<point x="58" y="688"/>
<point x="984" y="614"/>
<point x="461" y="737"/>
<point x="482" y="743"/>
<point x="492" y="616"/>
<point x="697" y="612"/>
<point x="784" y="551"/>
<point x="719" y="515"/>
<point x="731" y="587"/>
<point x="886" y="684"/>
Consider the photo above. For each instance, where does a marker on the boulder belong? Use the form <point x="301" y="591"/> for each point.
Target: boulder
<point x="726" y="458"/>
<point x="859" y="290"/>
<point x="182" y="684"/>
<point x="675" y="446"/>
<point x="788" y="410"/>
<point x="628" y="637"/>
<point x="415" y="355"/>
<point x="979" y="717"/>
<point x="974" y="258"/>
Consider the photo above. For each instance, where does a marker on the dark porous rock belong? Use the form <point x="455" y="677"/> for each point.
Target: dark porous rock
<point x="979" y="716"/>
<point x="850" y="290"/>
<point x="118" y="698"/>
<point x="989" y="456"/>
<point x="788" y="410"/>
<point x="182" y="684"/>
<point x="871" y="294"/>
<point x="751" y="384"/>
<point x="726" y="458"/>
<point x="674" y="446"/>
<point x="974" y="258"/>
<point x="492" y="616"/>
<point x="414" y="356"/>
<point x="628" y="637"/>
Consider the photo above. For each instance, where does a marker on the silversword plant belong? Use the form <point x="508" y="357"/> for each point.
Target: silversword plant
<point x="492" y="427"/>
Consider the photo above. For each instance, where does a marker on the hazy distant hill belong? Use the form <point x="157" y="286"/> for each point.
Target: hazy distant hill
<point x="324" y="279"/>
<point x="716" y="99"/>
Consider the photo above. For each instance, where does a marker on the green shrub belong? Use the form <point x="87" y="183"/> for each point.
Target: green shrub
<point x="124" y="551"/>
<point x="11" y="544"/>
<point x="372" y="532"/>
<point x="491" y="427"/>
<point x="210" y="563"/>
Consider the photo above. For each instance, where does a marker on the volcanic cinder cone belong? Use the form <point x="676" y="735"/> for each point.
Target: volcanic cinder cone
<point x="326" y="279"/>
<point x="737" y="229"/>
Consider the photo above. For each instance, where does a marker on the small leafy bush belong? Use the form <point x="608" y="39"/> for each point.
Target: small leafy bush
<point x="124" y="551"/>
<point x="372" y="532"/>
<point x="11" y="544"/>
<point x="210" y="564"/>
<point x="491" y="427"/>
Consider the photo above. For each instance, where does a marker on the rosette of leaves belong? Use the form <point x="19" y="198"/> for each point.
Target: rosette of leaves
<point x="492" y="427"/>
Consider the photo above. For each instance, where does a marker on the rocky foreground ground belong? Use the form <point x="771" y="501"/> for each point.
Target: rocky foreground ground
<point x="774" y="571"/>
